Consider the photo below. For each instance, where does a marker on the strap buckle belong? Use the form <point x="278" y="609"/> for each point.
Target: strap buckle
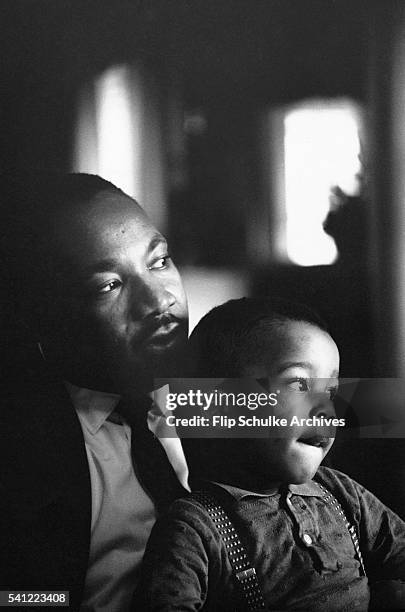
<point x="246" y="574"/>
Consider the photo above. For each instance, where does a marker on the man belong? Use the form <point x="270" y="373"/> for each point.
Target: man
<point x="104" y="305"/>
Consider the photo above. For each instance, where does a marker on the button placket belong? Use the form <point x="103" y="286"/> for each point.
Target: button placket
<point x="306" y="538"/>
<point x="303" y="520"/>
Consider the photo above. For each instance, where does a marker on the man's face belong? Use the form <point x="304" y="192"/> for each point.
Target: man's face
<point x="118" y="316"/>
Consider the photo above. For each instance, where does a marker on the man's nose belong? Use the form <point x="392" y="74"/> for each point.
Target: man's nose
<point x="151" y="297"/>
<point x="322" y="405"/>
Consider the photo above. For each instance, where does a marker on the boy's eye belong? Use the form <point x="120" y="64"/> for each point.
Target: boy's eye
<point x="160" y="263"/>
<point x="332" y="392"/>
<point x="299" y="384"/>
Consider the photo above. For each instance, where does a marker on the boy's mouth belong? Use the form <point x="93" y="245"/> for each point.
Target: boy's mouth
<point x="317" y="441"/>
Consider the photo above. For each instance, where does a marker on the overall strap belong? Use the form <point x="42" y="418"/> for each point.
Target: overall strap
<point x="331" y="499"/>
<point x="242" y="568"/>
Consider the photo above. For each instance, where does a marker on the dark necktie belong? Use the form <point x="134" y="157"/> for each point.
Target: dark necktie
<point x="151" y="465"/>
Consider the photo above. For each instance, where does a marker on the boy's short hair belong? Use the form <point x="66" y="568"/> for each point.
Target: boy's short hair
<point x="230" y="336"/>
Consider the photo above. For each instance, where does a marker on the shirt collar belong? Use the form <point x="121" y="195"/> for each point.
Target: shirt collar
<point x="93" y="407"/>
<point x="239" y="494"/>
<point x="308" y="489"/>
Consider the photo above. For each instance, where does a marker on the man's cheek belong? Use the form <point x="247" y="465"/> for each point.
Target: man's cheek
<point x="88" y="330"/>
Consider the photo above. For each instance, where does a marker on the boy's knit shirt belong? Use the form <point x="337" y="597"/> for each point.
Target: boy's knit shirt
<point x="301" y="548"/>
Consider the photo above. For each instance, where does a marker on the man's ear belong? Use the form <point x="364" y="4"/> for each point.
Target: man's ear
<point x="20" y="348"/>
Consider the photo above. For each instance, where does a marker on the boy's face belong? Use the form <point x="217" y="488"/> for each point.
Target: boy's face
<point x="301" y="362"/>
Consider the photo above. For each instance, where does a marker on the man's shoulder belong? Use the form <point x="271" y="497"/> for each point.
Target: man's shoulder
<point x="25" y="394"/>
<point x="40" y="437"/>
<point x="35" y="412"/>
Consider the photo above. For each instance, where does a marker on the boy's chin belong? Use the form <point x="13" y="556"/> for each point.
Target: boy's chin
<point x="308" y="471"/>
<point x="303" y="473"/>
<point x="302" y="478"/>
<point x="307" y="460"/>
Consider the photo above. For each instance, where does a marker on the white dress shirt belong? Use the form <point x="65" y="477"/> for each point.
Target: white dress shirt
<point x="122" y="513"/>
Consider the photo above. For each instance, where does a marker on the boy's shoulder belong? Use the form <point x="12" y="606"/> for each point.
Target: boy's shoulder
<point x="221" y="493"/>
<point x="326" y="475"/>
<point x="187" y="520"/>
<point x="347" y="491"/>
<point x="190" y="509"/>
<point x="329" y="477"/>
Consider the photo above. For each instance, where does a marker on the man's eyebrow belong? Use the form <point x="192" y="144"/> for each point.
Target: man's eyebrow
<point x="101" y="266"/>
<point x="156" y="240"/>
<point x="106" y="264"/>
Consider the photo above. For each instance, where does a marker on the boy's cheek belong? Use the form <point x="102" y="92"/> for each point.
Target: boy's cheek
<point x="304" y="405"/>
<point x="332" y="441"/>
<point x="291" y="404"/>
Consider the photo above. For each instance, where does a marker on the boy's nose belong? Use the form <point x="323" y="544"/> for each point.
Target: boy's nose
<point x="322" y="405"/>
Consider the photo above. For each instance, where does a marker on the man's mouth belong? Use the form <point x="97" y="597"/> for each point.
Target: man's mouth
<point x="161" y="329"/>
<point x="164" y="332"/>
<point x="316" y="441"/>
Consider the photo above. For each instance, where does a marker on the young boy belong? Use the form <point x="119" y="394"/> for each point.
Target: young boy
<point x="281" y="503"/>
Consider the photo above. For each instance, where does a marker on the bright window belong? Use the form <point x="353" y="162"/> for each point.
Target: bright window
<point x="108" y="138"/>
<point x="321" y="150"/>
<point x="119" y="135"/>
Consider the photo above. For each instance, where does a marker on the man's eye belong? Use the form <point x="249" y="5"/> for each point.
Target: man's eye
<point x="110" y="286"/>
<point x="299" y="384"/>
<point x="160" y="263"/>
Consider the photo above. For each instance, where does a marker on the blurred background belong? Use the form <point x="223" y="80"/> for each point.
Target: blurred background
<point x="265" y="138"/>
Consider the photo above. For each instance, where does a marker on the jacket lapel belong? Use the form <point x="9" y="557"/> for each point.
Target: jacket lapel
<point x="45" y="488"/>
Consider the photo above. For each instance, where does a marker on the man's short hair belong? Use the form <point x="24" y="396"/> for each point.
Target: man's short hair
<point x="27" y="205"/>
<point x="27" y="208"/>
<point x="27" y="202"/>
<point x="230" y="336"/>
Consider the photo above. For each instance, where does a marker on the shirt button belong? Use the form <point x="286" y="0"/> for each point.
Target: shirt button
<point x="307" y="539"/>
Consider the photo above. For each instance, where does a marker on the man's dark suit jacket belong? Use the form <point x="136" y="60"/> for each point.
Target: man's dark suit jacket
<point x="45" y="490"/>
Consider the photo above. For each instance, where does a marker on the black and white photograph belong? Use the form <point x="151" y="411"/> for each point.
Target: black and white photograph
<point x="202" y="306"/>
